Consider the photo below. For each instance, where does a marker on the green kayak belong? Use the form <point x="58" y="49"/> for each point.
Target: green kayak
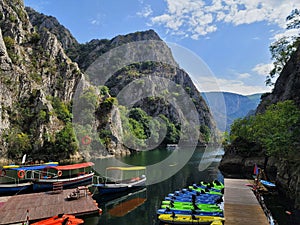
<point x="180" y="204"/>
<point x="201" y="207"/>
<point x="206" y="192"/>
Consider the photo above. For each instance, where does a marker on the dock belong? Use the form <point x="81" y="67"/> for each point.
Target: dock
<point x="240" y="204"/>
<point x="43" y="205"/>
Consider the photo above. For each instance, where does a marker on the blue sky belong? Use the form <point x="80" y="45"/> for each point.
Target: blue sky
<point x="231" y="37"/>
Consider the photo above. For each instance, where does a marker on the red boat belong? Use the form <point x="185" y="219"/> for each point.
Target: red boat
<point x="61" y="219"/>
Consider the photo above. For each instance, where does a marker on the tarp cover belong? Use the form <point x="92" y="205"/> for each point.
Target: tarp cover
<point x="74" y="166"/>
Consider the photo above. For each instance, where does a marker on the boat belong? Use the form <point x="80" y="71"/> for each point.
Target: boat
<point x="268" y="184"/>
<point x="172" y="147"/>
<point x="188" y="212"/>
<point x="193" y="207"/>
<point x="69" y="176"/>
<point x="16" y="187"/>
<point x="188" y="204"/>
<point x="123" y="179"/>
<point x="191" y="219"/>
<point x="60" y="219"/>
<point x="17" y="178"/>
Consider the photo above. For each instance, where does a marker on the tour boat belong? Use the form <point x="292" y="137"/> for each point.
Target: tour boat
<point x="121" y="182"/>
<point x="18" y="178"/>
<point x="69" y="176"/>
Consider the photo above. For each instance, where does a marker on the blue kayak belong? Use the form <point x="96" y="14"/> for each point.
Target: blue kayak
<point x="198" y="201"/>
<point x="267" y="183"/>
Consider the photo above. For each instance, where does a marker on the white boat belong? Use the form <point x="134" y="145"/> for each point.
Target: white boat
<point x="121" y="182"/>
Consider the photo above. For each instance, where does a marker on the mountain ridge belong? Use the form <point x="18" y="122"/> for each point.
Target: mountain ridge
<point x="42" y="68"/>
<point x="227" y="106"/>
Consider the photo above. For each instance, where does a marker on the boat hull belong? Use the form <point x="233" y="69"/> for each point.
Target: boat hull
<point x="14" y="188"/>
<point x="47" y="184"/>
<point x="107" y="188"/>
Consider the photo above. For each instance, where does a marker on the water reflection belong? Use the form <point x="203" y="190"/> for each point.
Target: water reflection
<point x="203" y="165"/>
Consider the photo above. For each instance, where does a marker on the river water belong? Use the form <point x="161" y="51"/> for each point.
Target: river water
<point x="140" y="206"/>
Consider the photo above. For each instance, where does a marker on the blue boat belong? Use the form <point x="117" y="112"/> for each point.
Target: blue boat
<point x="69" y="176"/>
<point x="13" y="188"/>
<point x="18" y="178"/>
<point x="268" y="184"/>
<point x="189" y="212"/>
<point x="122" y="182"/>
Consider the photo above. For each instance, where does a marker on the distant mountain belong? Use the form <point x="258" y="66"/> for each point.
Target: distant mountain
<point x="226" y="107"/>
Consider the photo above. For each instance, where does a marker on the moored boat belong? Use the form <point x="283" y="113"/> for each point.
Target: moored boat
<point x="191" y="219"/>
<point x="122" y="183"/>
<point x="267" y="184"/>
<point x="13" y="188"/>
<point x="17" y="178"/>
<point x="61" y="219"/>
<point x="69" y="176"/>
<point x="189" y="212"/>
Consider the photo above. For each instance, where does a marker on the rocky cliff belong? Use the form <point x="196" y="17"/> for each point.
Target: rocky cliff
<point x="286" y="172"/>
<point x="41" y="64"/>
<point x="37" y="84"/>
<point x="287" y="87"/>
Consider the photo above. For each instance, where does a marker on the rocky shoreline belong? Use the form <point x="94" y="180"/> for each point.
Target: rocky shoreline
<point x="285" y="175"/>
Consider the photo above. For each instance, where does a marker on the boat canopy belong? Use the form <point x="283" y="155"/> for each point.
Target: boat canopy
<point x="132" y="168"/>
<point x="37" y="167"/>
<point x="74" y="166"/>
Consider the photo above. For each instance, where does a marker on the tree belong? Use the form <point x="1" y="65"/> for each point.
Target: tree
<point x="278" y="129"/>
<point x="282" y="49"/>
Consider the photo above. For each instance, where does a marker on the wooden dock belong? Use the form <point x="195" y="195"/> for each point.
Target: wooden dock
<point x="44" y="205"/>
<point x="240" y="204"/>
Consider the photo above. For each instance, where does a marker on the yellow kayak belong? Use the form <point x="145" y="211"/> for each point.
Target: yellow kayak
<point x="191" y="219"/>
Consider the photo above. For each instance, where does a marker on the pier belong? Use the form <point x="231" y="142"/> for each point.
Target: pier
<point x="43" y="205"/>
<point x="240" y="204"/>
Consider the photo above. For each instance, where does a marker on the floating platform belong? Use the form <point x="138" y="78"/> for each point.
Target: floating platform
<point x="240" y="204"/>
<point x="43" y="205"/>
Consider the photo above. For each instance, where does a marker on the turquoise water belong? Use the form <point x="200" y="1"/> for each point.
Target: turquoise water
<point x="140" y="207"/>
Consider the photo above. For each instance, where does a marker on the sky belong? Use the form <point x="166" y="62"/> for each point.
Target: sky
<point x="231" y="38"/>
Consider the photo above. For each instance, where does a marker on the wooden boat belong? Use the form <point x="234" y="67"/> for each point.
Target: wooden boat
<point x="61" y="219"/>
<point x="121" y="181"/>
<point x="69" y="176"/>
<point x="191" y="219"/>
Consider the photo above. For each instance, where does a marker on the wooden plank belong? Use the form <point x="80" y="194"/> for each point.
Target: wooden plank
<point x="240" y="204"/>
<point x="44" y="205"/>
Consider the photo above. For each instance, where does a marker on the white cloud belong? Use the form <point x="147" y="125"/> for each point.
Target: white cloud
<point x="263" y="69"/>
<point x="199" y="17"/>
<point x="236" y="86"/>
<point x="244" y="75"/>
<point x="145" y="12"/>
<point x="97" y="20"/>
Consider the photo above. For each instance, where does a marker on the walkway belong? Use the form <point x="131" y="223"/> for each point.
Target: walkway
<point x="241" y="206"/>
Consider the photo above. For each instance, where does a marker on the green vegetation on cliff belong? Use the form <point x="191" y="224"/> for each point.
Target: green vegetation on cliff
<point x="276" y="131"/>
